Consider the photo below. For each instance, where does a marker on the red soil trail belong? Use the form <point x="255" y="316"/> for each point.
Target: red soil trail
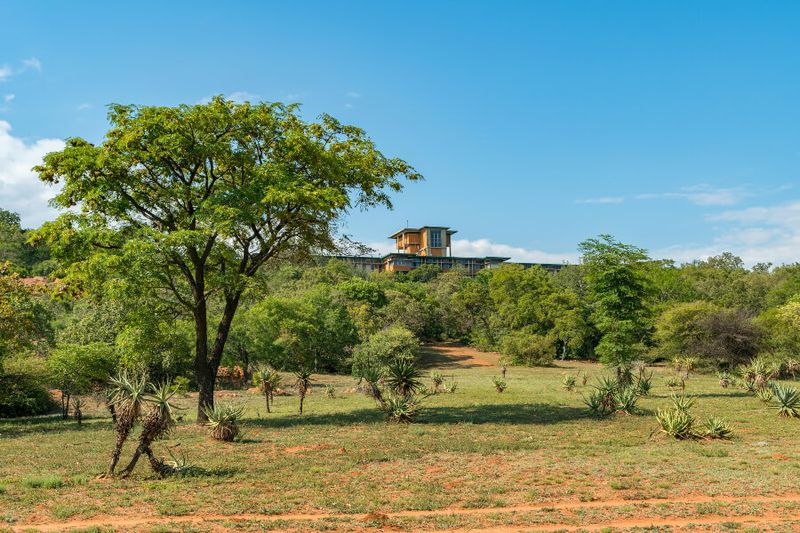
<point x="137" y="522"/>
<point x="454" y="355"/>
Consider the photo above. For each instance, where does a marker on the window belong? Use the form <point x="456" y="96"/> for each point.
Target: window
<point x="436" y="238"/>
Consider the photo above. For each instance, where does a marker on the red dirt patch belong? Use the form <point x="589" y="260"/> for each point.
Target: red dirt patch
<point x="705" y="519"/>
<point x="453" y="355"/>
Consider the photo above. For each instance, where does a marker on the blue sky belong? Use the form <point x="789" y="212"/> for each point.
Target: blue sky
<point x="671" y="125"/>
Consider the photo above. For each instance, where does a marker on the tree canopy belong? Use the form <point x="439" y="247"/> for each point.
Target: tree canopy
<point x="183" y="205"/>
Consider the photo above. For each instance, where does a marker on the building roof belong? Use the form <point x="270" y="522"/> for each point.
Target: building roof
<point x="417" y="230"/>
<point x="426" y="257"/>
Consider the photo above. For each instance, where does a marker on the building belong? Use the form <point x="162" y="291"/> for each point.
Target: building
<point x="429" y="245"/>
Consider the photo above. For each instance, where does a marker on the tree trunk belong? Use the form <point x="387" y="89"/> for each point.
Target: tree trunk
<point x="206" y="377"/>
<point x="245" y="357"/>
<point x="204" y="373"/>
<point x="206" y="364"/>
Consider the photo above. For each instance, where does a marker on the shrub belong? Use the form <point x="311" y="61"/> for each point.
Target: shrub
<point x="528" y="348"/>
<point x="676" y="423"/>
<point x="791" y="367"/>
<point x="383" y="347"/>
<point x="451" y="387"/>
<point x="595" y="401"/>
<point x="401" y="408"/>
<point x="568" y="383"/>
<point x="499" y="383"/>
<point x="80" y="369"/>
<point x="725" y="380"/>
<point x="644" y="383"/>
<point x="223" y="420"/>
<point x="437" y="378"/>
<point x="673" y="382"/>
<point x="787" y="400"/>
<point x="625" y="399"/>
<point x="717" y="428"/>
<point x="765" y="394"/>
<point x="181" y="385"/>
<point x="22" y="395"/>
<point x="685" y="364"/>
<point x="758" y="374"/>
<point x="403" y="377"/>
<point x="330" y="391"/>
<point x="682" y="402"/>
<point x="372" y="376"/>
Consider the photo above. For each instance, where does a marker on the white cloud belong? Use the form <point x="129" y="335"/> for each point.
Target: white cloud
<point x="703" y="194"/>
<point x="602" y="200"/>
<point x="382" y="248"/>
<point x="348" y="106"/>
<point x="32" y="63"/>
<point x="756" y="234"/>
<point x="20" y="188"/>
<point x="7" y="72"/>
<point x="241" y="97"/>
<point x="84" y="106"/>
<point x="486" y="248"/>
<point x="352" y="94"/>
<point x="8" y="97"/>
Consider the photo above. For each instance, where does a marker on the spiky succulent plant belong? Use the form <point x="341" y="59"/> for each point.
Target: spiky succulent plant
<point x="126" y="395"/>
<point x="223" y="420"/>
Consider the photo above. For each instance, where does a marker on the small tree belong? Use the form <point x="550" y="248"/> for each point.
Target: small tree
<point x="80" y="369"/>
<point x="182" y="206"/>
<point x="22" y="320"/>
<point x="615" y="274"/>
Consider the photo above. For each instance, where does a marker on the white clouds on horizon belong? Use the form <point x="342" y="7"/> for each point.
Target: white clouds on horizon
<point x="32" y="63"/>
<point x="761" y="234"/>
<point x="703" y="194"/>
<point x="239" y="97"/>
<point x="20" y="188"/>
<point x="487" y="248"/>
<point x="602" y="200"/>
<point x="6" y="72"/>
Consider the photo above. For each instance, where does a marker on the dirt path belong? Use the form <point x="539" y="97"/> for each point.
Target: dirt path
<point x="136" y="522"/>
<point x="453" y="355"/>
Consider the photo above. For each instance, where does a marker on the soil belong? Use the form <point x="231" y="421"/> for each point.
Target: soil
<point x="763" y="518"/>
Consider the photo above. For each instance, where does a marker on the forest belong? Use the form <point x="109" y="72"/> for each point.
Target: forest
<point x="617" y="306"/>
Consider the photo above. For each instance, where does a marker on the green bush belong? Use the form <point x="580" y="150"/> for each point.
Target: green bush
<point x="22" y="395"/>
<point x="528" y="348"/>
<point x="382" y="348"/>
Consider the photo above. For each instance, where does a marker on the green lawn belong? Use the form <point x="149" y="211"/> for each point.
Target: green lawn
<point x="533" y="447"/>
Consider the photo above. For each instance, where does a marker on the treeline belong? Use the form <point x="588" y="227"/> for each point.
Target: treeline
<point x="617" y="306"/>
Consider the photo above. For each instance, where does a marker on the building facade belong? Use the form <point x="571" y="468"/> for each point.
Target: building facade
<point x="429" y="245"/>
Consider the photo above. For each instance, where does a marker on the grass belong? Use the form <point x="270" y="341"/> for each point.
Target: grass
<point x="475" y="448"/>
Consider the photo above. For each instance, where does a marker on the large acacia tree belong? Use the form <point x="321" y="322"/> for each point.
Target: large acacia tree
<point x="183" y="205"/>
